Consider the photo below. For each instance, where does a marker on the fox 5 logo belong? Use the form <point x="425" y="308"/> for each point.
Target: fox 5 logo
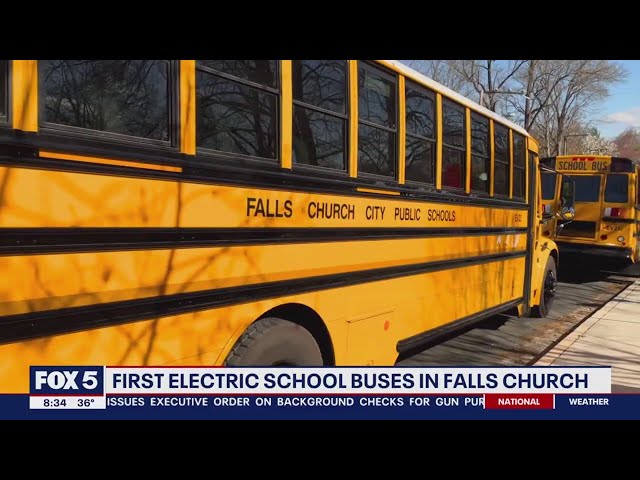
<point x="67" y="380"/>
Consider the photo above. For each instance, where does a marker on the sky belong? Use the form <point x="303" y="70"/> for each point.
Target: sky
<point x="622" y="109"/>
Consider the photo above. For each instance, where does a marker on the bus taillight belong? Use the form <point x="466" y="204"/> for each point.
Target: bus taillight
<point x="614" y="212"/>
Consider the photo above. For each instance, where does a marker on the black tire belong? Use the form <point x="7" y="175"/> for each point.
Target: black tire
<point x="547" y="290"/>
<point x="275" y="342"/>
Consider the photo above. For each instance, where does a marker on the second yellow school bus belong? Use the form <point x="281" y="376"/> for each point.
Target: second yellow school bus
<point x="254" y="212"/>
<point x="607" y="205"/>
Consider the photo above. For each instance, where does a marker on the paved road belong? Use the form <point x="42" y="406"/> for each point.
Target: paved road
<point x="505" y="340"/>
<point x="611" y="336"/>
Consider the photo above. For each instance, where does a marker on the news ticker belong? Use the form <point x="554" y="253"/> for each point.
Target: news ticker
<point x="101" y="387"/>
<point x="288" y="393"/>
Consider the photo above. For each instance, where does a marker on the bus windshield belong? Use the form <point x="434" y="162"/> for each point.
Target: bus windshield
<point x="617" y="189"/>
<point x="587" y="188"/>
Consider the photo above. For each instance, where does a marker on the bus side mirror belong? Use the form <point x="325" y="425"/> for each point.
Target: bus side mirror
<point x="567" y="196"/>
<point x="567" y="214"/>
<point x="567" y="191"/>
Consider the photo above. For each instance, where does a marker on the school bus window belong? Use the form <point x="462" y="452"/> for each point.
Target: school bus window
<point x="502" y="175"/>
<point x="480" y="154"/>
<point x="261" y="72"/>
<point x="420" y="130"/>
<point x="4" y="74"/>
<point x="519" y="165"/>
<point x="587" y="188"/>
<point x="617" y="188"/>
<point x="236" y="107"/>
<point x="377" y="112"/>
<point x="320" y="113"/>
<point x="126" y="97"/>
<point x="548" y="186"/>
<point x="453" y="145"/>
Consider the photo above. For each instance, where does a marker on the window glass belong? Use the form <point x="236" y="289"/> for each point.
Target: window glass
<point x="233" y="115"/>
<point x="318" y="139"/>
<point x="128" y="97"/>
<point x="548" y="186"/>
<point x="377" y="121"/>
<point x="419" y="160"/>
<point x="264" y="72"/>
<point x="519" y="165"/>
<point x="319" y="115"/>
<point x="420" y="115"/>
<point x="587" y="188"/>
<point x="502" y="176"/>
<point x="420" y="111"/>
<point x="453" y="129"/>
<point x="376" y="97"/>
<point x="480" y="159"/>
<point x="617" y="189"/>
<point x="321" y="83"/>
<point x="376" y="151"/>
<point x="453" y="149"/>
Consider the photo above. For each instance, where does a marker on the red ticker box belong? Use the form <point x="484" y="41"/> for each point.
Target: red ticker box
<point x="519" y="401"/>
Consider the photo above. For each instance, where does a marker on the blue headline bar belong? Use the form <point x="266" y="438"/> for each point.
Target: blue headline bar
<point x="338" y="407"/>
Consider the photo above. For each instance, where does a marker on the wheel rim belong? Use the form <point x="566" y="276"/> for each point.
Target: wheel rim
<point x="550" y="284"/>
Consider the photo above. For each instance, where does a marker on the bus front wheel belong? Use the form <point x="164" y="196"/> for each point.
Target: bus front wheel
<point x="547" y="289"/>
<point x="275" y="342"/>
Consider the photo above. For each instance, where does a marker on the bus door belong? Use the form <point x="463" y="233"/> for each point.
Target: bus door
<point x="558" y="198"/>
<point x="618" y="213"/>
<point x="550" y="202"/>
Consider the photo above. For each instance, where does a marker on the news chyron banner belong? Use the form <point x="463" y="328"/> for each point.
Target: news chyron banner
<point x="103" y="392"/>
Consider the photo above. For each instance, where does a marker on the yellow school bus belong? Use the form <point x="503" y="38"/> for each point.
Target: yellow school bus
<point x="254" y="212"/>
<point x="607" y="206"/>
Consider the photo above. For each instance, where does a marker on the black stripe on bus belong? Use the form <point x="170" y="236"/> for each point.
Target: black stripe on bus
<point x="619" y="220"/>
<point x="422" y="340"/>
<point x="227" y="170"/>
<point x="31" y="241"/>
<point x="66" y="320"/>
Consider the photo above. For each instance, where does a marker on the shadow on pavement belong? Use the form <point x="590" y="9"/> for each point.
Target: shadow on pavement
<point x="577" y="270"/>
<point x="495" y="322"/>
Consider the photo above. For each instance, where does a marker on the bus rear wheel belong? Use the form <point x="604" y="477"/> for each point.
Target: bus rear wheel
<point x="547" y="290"/>
<point x="275" y="342"/>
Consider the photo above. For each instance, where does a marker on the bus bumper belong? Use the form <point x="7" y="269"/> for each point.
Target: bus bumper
<point x="618" y="253"/>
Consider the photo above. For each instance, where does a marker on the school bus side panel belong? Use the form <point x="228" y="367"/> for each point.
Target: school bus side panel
<point x="48" y="279"/>
<point x="384" y="311"/>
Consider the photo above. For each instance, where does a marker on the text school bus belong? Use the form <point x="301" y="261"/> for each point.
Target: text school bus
<point x="607" y="205"/>
<point x="256" y="212"/>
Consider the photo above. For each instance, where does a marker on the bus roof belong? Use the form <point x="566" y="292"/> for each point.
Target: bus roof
<point x="427" y="82"/>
